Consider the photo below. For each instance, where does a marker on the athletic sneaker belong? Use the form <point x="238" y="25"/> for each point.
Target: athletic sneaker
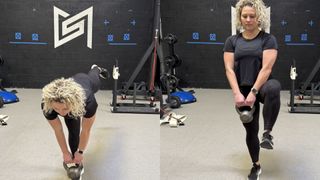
<point x="103" y="73"/>
<point x="255" y="172"/>
<point x="266" y="141"/>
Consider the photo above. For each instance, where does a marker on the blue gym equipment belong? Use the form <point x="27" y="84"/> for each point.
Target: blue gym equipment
<point x="6" y="97"/>
<point x="185" y="97"/>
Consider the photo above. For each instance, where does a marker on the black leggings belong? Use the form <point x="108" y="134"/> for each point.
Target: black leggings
<point x="91" y="83"/>
<point x="73" y="126"/>
<point x="269" y="95"/>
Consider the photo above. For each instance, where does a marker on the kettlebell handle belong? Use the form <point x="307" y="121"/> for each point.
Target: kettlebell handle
<point x="253" y="108"/>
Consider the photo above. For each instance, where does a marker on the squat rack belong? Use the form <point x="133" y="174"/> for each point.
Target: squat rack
<point x="308" y="91"/>
<point x="151" y="92"/>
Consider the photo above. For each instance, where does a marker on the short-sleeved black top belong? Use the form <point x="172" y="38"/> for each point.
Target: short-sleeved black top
<point x="248" y="55"/>
<point x="90" y="101"/>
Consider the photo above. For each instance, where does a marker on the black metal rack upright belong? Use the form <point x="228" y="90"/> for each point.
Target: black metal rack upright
<point x="131" y="88"/>
<point x="307" y="92"/>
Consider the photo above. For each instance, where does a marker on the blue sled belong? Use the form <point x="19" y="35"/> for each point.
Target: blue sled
<point x="8" y="97"/>
<point x="185" y="97"/>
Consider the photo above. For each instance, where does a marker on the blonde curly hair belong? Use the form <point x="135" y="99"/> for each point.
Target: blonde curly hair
<point x="261" y="12"/>
<point x="64" y="91"/>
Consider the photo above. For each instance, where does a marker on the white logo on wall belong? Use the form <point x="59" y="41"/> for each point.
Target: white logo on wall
<point x="72" y="27"/>
<point x="233" y="16"/>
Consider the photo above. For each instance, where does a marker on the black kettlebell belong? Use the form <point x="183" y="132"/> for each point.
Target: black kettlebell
<point x="245" y="113"/>
<point x="74" y="172"/>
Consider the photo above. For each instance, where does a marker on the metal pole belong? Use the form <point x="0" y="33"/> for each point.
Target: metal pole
<point x="293" y="77"/>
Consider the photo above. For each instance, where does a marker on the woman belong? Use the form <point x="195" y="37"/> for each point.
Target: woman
<point x="73" y="98"/>
<point x="249" y="57"/>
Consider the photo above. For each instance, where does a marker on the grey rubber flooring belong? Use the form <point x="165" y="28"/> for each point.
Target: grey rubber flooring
<point x="211" y="145"/>
<point x="121" y="146"/>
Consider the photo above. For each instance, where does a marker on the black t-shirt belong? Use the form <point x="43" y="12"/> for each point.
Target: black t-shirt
<point x="248" y="55"/>
<point x="90" y="101"/>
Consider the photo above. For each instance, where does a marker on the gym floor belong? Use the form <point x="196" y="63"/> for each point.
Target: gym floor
<point x="211" y="145"/>
<point x="121" y="146"/>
